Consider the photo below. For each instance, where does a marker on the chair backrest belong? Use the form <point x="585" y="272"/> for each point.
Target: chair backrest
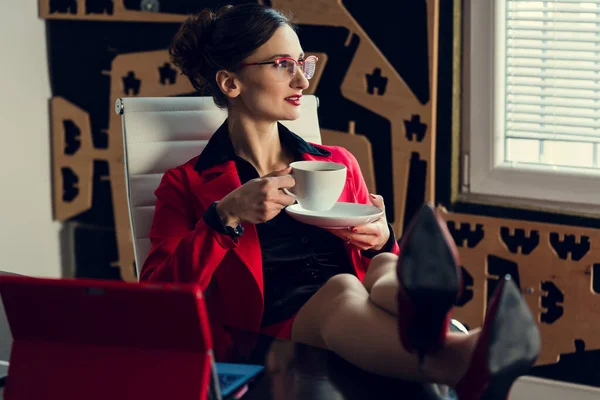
<point x="164" y="132"/>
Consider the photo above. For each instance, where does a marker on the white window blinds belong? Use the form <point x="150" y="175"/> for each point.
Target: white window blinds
<point x="551" y="77"/>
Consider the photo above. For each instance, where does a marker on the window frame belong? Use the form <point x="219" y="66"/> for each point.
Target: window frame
<point x="482" y="178"/>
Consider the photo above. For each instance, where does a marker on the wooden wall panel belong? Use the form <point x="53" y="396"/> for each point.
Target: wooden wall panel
<point x="554" y="266"/>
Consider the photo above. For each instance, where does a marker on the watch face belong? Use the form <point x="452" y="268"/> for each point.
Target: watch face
<point x="239" y="230"/>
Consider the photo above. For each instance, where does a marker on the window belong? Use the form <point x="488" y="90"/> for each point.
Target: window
<point x="531" y="100"/>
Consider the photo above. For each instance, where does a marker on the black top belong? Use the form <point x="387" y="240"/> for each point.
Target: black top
<point x="297" y="258"/>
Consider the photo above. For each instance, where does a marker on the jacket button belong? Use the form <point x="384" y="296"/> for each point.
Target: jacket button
<point x="304" y="239"/>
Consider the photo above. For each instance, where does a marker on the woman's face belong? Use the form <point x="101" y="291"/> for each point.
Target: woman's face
<point x="268" y="91"/>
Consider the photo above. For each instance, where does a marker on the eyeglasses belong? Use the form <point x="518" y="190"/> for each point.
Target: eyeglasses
<point x="287" y="66"/>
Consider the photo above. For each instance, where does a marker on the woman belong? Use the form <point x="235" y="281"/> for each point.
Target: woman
<point x="218" y="219"/>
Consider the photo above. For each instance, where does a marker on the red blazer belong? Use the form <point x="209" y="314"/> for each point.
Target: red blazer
<point x="186" y="250"/>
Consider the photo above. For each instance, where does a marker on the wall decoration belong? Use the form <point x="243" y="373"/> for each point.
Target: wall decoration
<point x="106" y="10"/>
<point x="555" y="266"/>
<point x="73" y="155"/>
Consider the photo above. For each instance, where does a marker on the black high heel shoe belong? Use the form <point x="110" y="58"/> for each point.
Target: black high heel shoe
<point x="430" y="282"/>
<point x="508" y="346"/>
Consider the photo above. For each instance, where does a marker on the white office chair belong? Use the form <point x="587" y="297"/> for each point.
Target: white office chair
<point x="164" y="132"/>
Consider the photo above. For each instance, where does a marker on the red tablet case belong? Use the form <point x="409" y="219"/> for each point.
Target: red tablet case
<point x="92" y="339"/>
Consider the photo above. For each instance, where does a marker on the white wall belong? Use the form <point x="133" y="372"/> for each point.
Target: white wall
<point x="29" y="238"/>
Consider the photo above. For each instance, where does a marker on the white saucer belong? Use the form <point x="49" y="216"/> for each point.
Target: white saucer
<point x="341" y="216"/>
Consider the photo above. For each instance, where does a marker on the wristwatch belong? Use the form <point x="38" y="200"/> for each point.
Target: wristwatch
<point x="212" y="218"/>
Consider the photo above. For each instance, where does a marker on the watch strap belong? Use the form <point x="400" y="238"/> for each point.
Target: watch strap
<point x="212" y="219"/>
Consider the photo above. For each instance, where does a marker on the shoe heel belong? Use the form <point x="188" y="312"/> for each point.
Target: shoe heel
<point x="430" y="282"/>
<point x="431" y="312"/>
<point x="508" y="346"/>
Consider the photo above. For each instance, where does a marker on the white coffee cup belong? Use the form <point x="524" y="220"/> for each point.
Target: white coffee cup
<point x="318" y="184"/>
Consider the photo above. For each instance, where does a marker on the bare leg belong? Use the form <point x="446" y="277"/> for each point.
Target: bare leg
<point x="342" y="318"/>
<point x="381" y="265"/>
<point x="382" y="283"/>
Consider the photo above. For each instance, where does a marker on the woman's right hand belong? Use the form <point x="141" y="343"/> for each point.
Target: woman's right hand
<point x="258" y="200"/>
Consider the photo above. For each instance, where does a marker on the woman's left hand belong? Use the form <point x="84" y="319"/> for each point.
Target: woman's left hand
<point x="371" y="236"/>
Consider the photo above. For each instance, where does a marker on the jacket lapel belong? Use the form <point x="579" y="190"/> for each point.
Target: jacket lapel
<point x="214" y="184"/>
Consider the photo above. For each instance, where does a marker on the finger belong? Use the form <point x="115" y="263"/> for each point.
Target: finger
<point x="282" y="199"/>
<point x="369" y="229"/>
<point x="362" y="238"/>
<point x="377" y="201"/>
<point x="361" y="245"/>
<point x="341" y="233"/>
<point x="272" y="211"/>
<point x="349" y="238"/>
<point x="283" y="181"/>
<point x="285" y="171"/>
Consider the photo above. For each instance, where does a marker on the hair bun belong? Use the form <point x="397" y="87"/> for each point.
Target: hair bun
<point x="189" y="46"/>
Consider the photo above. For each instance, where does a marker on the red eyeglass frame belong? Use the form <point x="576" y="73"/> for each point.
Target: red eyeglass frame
<point x="278" y="61"/>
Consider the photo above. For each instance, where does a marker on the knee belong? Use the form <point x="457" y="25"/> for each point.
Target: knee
<point x="342" y="285"/>
<point x="384" y="260"/>
<point x="341" y="308"/>
<point x="339" y="291"/>
<point x="384" y="291"/>
<point x="314" y="318"/>
<point x="381" y="265"/>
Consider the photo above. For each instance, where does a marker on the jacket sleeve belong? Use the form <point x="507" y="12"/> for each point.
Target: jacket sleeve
<point x="363" y="197"/>
<point x="184" y="248"/>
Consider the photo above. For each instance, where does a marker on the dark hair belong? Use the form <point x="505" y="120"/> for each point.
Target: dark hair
<point x="208" y="42"/>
